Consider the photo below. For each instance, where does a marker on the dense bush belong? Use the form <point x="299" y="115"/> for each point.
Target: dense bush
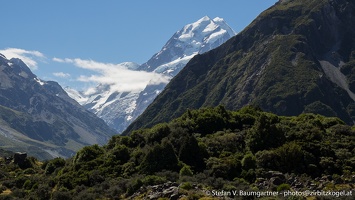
<point x="210" y="147"/>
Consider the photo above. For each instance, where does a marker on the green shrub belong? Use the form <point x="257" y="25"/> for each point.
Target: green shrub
<point x="54" y="164"/>
<point x="27" y="185"/>
<point x="160" y="157"/>
<point x="88" y="153"/>
<point x="134" y="185"/>
<point x="267" y="159"/>
<point x="249" y="161"/>
<point x="290" y="158"/>
<point x="185" y="171"/>
<point x="158" y="132"/>
<point x="29" y="171"/>
<point x="60" y="195"/>
<point x="120" y="153"/>
<point x="153" y="180"/>
<point x="265" y="134"/>
<point x="283" y="187"/>
<point x="195" y="159"/>
<point x="186" y="186"/>
<point x="249" y="175"/>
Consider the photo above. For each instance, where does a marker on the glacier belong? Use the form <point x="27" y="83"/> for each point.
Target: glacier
<point x="119" y="108"/>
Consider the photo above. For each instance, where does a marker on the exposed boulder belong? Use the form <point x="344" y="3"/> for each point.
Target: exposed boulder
<point x="20" y="158"/>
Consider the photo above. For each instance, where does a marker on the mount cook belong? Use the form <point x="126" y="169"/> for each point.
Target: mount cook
<point x="119" y="109"/>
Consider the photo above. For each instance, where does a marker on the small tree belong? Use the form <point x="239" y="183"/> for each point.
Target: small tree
<point x="249" y="161"/>
<point x="185" y="171"/>
<point x="195" y="159"/>
<point x="160" y="157"/>
<point x="88" y="153"/>
<point x="54" y="164"/>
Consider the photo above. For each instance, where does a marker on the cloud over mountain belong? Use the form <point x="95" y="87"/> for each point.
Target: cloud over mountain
<point x="121" y="77"/>
<point x="31" y="58"/>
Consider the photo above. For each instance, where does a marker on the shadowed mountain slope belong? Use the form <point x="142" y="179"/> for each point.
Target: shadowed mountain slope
<point x="40" y="118"/>
<point x="296" y="57"/>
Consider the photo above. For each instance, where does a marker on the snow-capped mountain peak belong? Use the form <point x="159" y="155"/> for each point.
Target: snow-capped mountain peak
<point x="200" y="29"/>
<point x="119" y="109"/>
<point x="202" y="26"/>
<point x="76" y="95"/>
<point x="224" y="25"/>
<point x="198" y="37"/>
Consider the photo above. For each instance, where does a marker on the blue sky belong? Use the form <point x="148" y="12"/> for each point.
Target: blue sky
<point x="104" y="32"/>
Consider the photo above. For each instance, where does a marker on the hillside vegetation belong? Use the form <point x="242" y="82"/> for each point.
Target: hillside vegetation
<point x="203" y="150"/>
<point x="296" y="57"/>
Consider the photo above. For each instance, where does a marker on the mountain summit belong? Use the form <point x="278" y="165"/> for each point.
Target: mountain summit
<point x="119" y="109"/>
<point x="296" y="57"/>
<point x="195" y="38"/>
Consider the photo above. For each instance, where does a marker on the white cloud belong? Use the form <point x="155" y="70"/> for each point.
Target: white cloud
<point x="58" y="60"/>
<point x="66" y="60"/>
<point x="29" y="57"/>
<point x="61" y="74"/>
<point x="118" y="76"/>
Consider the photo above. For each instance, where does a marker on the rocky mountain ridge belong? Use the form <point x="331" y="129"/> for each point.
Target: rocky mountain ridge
<point x="295" y="57"/>
<point x="40" y="118"/>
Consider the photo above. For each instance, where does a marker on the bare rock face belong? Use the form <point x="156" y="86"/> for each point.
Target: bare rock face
<point x="20" y="158"/>
<point x="169" y="190"/>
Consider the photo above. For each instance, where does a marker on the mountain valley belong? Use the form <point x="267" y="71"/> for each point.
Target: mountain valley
<point x="268" y="114"/>
<point x="39" y="117"/>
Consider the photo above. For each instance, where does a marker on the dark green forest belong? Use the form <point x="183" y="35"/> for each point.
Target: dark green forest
<point x="209" y="149"/>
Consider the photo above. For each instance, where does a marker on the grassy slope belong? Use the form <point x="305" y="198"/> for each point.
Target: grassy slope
<point x="14" y="127"/>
